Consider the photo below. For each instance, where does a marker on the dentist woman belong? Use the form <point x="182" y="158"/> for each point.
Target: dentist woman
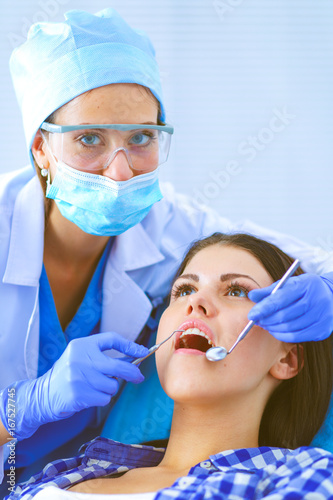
<point x="89" y="244"/>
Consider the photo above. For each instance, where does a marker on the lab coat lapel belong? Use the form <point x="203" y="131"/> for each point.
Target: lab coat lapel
<point x="25" y="256"/>
<point x="126" y="307"/>
<point x="24" y="265"/>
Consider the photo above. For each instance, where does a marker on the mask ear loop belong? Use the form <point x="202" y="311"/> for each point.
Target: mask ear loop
<point x="48" y="180"/>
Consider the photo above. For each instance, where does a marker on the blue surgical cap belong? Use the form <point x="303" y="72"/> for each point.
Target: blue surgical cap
<point x="60" y="61"/>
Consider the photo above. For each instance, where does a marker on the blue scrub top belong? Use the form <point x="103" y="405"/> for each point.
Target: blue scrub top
<point x="140" y="413"/>
<point x="53" y="341"/>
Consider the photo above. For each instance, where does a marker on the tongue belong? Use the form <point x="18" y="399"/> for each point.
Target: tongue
<point x="194" y="342"/>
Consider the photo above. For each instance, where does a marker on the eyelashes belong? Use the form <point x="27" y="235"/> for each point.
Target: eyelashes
<point x="238" y="288"/>
<point x="234" y="289"/>
<point x="181" y="289"/>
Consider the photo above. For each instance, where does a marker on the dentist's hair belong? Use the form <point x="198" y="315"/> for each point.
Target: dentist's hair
<point x="297" y="408"/>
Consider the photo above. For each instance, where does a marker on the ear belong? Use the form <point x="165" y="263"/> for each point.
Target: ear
<point x="38" y="152"/>
<point x="290" y="362"/>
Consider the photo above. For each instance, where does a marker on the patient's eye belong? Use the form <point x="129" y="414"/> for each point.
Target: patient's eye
<point x="182" y="289"/>
<point x="236" y="290"/>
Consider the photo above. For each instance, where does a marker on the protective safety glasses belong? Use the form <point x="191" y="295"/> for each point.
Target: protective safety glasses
<point x="92" y="148"/>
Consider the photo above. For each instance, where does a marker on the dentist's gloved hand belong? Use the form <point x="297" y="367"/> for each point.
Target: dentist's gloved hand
<point x="82" y="377"/>
<point x="300" y="311"/>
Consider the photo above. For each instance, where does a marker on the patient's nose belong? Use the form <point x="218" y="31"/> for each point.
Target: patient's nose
<point x="200" y="303"/>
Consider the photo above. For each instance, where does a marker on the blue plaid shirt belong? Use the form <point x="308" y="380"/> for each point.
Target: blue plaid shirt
<point x="273" y="473"/>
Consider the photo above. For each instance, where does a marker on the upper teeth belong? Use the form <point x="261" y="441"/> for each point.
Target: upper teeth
<point x="196" y="331"/>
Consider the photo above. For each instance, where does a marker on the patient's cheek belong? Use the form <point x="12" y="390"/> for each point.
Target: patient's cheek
<point x="162" y="331"/>
<point x="160" y="361"/>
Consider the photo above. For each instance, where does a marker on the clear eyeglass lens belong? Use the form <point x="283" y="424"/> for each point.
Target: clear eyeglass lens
<point x="95" y="149"/>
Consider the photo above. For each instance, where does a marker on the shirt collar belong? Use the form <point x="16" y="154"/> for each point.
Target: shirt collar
<point x="118" y="453"/>
<point x="138" y="455"/>
<point x="247" y="458"/>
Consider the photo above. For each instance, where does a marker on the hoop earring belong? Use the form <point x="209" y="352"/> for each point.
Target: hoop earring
<point x="44" y="171"/>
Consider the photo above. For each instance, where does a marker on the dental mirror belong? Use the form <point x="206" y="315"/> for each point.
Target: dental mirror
<point x="218" y="353"/>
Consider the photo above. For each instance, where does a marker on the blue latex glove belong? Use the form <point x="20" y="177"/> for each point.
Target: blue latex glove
<point x="82" y="377"/>
<point x="301" y="310"/>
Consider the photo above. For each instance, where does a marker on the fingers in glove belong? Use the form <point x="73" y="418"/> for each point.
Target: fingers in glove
<point x="285" y="297"/>
<point x="121" y="369"/>
<point x="112" y="340"/>
<point x="305" y="335"/>
<point x="298" y="325"/>
<point x="293" y="317"/>
<point x="113" y="367"/>
<point x="82" y="399"/>
<point x="259" y="294"/>
<point x="105" y="384"/>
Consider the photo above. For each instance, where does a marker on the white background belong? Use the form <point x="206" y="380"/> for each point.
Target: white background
<point x="229" y="69"/>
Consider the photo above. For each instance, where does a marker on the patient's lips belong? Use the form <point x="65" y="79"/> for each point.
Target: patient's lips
<point x="196" y="337"/>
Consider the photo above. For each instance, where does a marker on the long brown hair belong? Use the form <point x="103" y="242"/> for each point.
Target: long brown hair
<point x="297" y="407"/>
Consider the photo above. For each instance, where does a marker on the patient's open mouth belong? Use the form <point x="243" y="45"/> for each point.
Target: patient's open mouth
<point x="193" y="338"/>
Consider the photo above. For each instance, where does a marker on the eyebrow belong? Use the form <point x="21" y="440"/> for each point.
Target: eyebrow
<point x="229" y="276"/>
<point x="223" y="277"/>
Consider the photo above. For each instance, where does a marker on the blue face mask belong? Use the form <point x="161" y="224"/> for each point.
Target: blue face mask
<point x="100" y="205"/>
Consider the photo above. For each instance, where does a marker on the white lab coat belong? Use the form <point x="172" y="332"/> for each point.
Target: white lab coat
<point x="141" y="264"/>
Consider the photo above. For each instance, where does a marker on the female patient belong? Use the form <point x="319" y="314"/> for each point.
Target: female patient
<point x="236" y="423"/>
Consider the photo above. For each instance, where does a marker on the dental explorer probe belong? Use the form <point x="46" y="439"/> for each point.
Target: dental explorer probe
<point x="218" y="353"/>
<point x="154" y="348"/>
